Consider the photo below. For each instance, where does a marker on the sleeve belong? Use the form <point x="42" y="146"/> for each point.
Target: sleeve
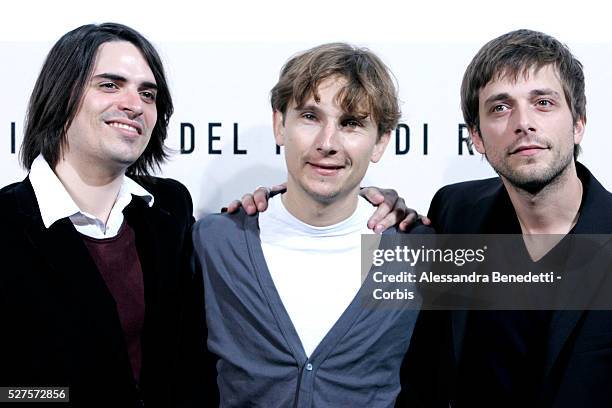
<point x="197" y="366"/>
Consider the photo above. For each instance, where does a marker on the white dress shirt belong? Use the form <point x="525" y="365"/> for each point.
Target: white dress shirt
<point x="55" y="203"/>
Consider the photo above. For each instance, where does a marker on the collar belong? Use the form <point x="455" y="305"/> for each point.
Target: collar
<point x="595" y="205"/>
<point x="55" y="203"/>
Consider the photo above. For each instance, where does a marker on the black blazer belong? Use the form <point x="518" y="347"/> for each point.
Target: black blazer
<point x="578" y="360"/>
<point x="60" y="323"/>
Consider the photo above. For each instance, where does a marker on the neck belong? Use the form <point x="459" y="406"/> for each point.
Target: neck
<point x="552" y="210"/>
<point x="319" y="213"/>
<point x="94" y="191"/>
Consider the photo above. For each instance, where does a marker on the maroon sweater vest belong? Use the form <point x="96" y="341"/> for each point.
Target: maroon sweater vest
<point x="118" y="263"/>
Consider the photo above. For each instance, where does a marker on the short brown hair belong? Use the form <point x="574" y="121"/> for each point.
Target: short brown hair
<point x="370" y="85"/>
<point x="513" y="54"/>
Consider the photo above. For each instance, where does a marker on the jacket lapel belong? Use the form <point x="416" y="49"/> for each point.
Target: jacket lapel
<point x="74" y="273"/>
<point x="150" y="226"/>
<point x="594" y="219"/>
<point x="493" y="214"/>
<point x="562" y="324"/>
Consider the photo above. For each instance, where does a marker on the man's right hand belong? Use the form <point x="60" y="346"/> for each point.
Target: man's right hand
<point x="257" y="201"/>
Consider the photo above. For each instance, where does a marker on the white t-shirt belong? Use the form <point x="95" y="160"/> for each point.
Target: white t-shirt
<point x="316" y="270"/>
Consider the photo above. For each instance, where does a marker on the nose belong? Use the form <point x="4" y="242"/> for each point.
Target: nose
<point x="131" y="103"/>
<point x="327" y="139"/>
<point x="523" y="121"/>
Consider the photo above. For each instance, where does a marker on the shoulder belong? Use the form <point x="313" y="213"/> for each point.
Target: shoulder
<point x="161" y="186"/>
<point x="595" y="190"/>
<point x="596" y="204"/>
<point x="456" y="206"/>
<point x="469" y="190"/>
<point x="214" y="229"/>
<point x="7" y="194"/>
<point x="169" y="195"/>
<point x="17" y="198"/>
<point x="18" y="212"/>
<point x="9" y="188"/>
<point x="467" y="193"/>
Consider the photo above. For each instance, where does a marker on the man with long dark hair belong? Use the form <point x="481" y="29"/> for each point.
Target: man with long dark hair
<point x="94" y="249"/>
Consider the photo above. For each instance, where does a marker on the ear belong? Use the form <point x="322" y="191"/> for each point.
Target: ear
<point x="380" y="146"/>
<point x="579" y="130"/>
<point x="477" y="140"/>
<point x="279" y="127"/>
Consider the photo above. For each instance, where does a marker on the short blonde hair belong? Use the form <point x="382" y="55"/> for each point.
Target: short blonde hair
<point x="370" y="88"/>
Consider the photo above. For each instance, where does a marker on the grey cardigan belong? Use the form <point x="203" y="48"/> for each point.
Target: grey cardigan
<point x="261" y="359"/>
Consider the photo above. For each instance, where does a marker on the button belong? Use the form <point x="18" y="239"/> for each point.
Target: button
<point x="309" y="367"/>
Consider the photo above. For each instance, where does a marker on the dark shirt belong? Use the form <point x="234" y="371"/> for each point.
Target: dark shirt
<point x="503" y="356"/>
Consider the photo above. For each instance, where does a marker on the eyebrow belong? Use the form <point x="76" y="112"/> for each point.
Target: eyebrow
<point x="544" y="92"/>
<point x="360" y="117"/>
<point x="344" y="116"/>
<point x="536" y="92"/>
<point x="308" y="107"/>
<point x="498" y="97"/>
<point x="119" y="78"/>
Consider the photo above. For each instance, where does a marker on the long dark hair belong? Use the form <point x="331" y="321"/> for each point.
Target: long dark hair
<point x="59" y="89"/>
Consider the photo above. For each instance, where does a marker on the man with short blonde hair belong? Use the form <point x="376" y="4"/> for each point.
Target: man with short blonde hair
<point x="283" y="289"/>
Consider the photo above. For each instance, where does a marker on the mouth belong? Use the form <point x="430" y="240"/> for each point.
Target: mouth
<point x="528" y="150"/>
<point x="326" y="169"/>
<point x="126" y="125"/>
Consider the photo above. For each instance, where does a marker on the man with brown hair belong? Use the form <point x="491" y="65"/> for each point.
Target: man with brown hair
<point x="281" y="289"/>
<point x="523" y="101"/>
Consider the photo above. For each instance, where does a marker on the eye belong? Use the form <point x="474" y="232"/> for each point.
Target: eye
<point x="351" y="123"/>
<point x="308" y="116"/>
<point x="544" y="103"/>
<point x="108" y="86"/>
<point x="499" y="108"/>
<point x="148" y="96"/>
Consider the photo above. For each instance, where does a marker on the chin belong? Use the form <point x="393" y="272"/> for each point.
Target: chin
<point x="533" y="181"/>
<point x="323" y="195"/>
<point x="124" y="161"/>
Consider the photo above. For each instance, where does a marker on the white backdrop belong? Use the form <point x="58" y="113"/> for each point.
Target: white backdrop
<point x="222" y="61"/>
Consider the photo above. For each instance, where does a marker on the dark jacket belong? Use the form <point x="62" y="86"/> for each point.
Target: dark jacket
<point x="60" y="323"/>
<point x="577" y="361"/>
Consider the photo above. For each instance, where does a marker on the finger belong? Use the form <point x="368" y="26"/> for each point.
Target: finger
<point x="394" y="217"/>
<point x="248" y="204"/>
<point x="372" y="194"/>
<point x="260" y="198"/>
<point x="391" y="206"/>
<point x="279" y="187"/>
<point x="425" y="220"/>
<point x="382" y="211"/>
<point x="408" y="221"/>
<point x="233" y="206"/>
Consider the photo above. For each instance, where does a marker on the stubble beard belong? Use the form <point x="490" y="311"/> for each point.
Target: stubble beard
<point x="538" y="179"/>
